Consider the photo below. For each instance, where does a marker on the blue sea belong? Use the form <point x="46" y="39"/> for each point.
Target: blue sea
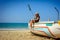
<point x="14" y="25"/>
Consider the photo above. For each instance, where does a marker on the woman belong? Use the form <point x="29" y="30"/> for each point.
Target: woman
<point x="36" y="19"/>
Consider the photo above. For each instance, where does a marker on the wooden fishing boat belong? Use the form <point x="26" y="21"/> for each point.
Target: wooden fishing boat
<point x="47" y="28"/>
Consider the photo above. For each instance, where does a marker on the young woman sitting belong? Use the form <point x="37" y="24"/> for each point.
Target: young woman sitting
<point x="35" y="20"/>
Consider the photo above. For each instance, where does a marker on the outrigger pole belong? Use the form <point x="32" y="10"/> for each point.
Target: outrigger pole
<point x="30" y="11"/>
<point x="30" y="8"/>
<point x="57" y="13"/>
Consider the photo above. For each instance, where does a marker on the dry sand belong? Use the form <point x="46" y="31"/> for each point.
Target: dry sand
<point x="20" y="35"/>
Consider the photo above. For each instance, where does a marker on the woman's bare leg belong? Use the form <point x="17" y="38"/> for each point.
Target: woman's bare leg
<point x="31" y="22"/>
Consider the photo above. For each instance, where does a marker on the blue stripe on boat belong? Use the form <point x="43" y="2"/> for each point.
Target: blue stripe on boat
<point x="44" y="29"/>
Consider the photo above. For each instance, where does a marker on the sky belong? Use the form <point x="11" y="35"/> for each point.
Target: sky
<point x="17" y="11"/>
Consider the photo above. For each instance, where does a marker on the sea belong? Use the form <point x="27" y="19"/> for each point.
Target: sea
<point x="13" y="26"/>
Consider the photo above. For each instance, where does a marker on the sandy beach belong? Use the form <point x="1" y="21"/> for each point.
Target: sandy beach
<point x="20" y="35"/>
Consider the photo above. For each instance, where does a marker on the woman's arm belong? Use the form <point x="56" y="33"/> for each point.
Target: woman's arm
<point x="37" y="19"/>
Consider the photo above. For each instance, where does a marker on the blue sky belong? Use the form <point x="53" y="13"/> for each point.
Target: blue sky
<point x="17" y="10"/>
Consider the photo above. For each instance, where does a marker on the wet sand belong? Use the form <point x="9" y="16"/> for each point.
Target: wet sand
<point x="20" y="35"/>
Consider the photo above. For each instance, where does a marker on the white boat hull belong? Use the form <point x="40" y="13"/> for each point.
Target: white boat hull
<point x="47" y="28"/>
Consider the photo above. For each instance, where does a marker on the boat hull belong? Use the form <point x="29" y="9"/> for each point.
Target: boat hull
<point x="48" y="28"/>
